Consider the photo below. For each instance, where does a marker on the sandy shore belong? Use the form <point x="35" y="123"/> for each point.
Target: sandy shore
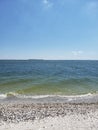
<point x="30" y="115"/>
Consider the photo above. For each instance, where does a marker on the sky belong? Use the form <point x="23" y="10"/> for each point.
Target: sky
<point x="49" y="29"/>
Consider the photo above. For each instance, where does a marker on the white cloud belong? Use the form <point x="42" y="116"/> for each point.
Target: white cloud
<point x="47" y="3"/>
<point x="77" y="53"/>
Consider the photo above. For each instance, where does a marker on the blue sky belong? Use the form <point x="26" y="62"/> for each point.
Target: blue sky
<point x="48" y="29"/>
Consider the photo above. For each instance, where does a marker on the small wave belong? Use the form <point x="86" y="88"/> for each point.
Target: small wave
<point x="11" y="95"/>
<point x="35" y="97"/>
<point x="8" y="95"/>
<point x="2" y="96"/>
<point x="60" y="96"/>
<point x="69" y="97"/>
<point x="72" y="96"/>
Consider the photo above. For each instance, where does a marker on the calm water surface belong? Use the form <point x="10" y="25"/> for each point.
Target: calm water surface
<point x="39" y="77"/>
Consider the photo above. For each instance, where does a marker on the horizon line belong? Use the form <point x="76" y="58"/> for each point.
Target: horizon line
<point x="48" y="59"/>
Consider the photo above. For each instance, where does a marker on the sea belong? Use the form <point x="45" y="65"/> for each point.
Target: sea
<point x="48" y="77"/>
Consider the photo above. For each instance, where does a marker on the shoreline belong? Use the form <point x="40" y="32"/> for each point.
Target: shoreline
<point x="55" y="113"/>
<point x="15" y="98"/>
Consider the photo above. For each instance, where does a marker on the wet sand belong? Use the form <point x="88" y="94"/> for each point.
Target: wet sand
<point x="48" y="114"/>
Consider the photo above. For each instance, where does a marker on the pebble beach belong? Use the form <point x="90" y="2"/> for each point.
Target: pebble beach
<point x="46" y="114"/>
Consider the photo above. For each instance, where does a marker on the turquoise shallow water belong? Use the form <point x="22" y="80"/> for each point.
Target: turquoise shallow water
<point x="42" y="77"/>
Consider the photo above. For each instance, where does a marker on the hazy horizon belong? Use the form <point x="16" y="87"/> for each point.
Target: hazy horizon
<point x="42" y="59"/>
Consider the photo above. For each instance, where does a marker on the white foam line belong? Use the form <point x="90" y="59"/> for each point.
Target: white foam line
<point x="34" y="97"/>
<point x="62" y="96"/>
<point x="2" y="96"/>
<point x="73" y="96"/>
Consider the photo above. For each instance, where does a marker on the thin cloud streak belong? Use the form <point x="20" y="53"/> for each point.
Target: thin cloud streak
<point x="77" y="53"/>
